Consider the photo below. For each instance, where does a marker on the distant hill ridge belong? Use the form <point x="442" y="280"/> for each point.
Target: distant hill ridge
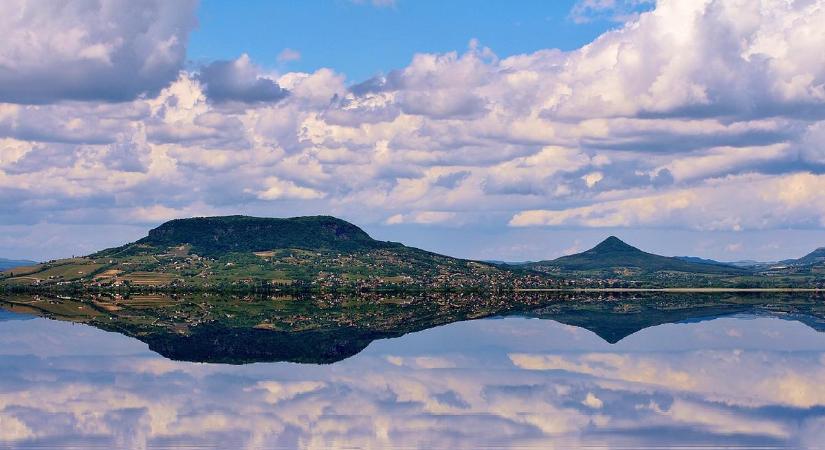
<point x="815" y="257"/>
<point x="209" y="236"/>
<point x="613" y="254"/>
<point x="6" y="264"/>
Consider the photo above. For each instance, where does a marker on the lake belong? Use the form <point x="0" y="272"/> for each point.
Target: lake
<point x="741" y="378"/>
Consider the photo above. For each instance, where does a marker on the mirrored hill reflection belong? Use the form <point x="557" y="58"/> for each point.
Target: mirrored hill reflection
<point x="731" y="373"/>
<point x="323" y="329"/>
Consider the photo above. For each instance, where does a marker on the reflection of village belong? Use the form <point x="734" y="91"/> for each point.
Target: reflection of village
<point x="180" y="313"/>
<point x="326" y="327"/>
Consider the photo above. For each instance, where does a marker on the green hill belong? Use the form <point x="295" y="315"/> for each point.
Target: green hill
<point x="241" y="251"/>
<point x="815" y="257"/>
<point x="613" y="254"/>
<point x="212" y="236"/>
<point x="325" y="253"/>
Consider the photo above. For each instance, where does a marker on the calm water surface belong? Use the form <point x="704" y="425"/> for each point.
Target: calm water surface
<point x="740" y="381"/>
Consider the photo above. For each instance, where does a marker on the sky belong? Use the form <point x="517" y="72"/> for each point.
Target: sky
<point x="491" y="130"/>
<point x="362" y="39"/>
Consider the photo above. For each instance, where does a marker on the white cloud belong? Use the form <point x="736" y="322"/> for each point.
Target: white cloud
<point x="277" y="391"/>
<point x="719" y="161"/>
<point x="733" y="203"/>
<point x="12" y="429"/>
<point x="591" y="401"/>
<point x="592" y="178"/>
<point x="702" y="58"/>
<point x="111" y="50"/>
<point x="277" y="189"/>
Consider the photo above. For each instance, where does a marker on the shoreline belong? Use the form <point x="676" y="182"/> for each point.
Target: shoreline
<point x="685" y="290"/>
<point x="182" y="290"/>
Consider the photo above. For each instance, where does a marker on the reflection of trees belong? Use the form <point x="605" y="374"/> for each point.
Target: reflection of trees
<point x="325" y="328"/>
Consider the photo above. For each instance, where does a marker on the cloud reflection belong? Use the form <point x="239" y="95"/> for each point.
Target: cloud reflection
<point x="539" y="387"/>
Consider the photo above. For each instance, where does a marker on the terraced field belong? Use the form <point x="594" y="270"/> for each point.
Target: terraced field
<point x="148" y="278"/>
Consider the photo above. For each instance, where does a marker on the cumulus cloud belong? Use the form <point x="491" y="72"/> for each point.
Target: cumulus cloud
<point x="239" y="80"/>
<point x="762" y="202"/>
<point x="110" y="50"/>
<point x="275" y="189"/>
<point x="703" y="115"/>
<point x="592" y="401"/>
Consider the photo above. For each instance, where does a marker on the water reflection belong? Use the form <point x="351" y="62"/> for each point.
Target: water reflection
<point x="740" y="380"/>
<point x="330" y="328"/>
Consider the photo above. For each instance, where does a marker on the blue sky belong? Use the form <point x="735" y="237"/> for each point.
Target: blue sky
<point x="360" y="39"/>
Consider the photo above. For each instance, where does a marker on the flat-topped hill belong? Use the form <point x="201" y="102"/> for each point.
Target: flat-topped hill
<point x="210" y="236"/>
<point x="242" y="251"/>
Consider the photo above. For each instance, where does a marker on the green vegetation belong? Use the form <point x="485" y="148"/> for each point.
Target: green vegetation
<point x="324" y="328"/>
<point x="237" y="252"/>
<point x="613" y="263"/>
<point x="317" y="289"/>
<point x="216" y="236"/>
<point x="815" y="257"/>
<point x="325" y="254"/>
<point x="613" y="255"/>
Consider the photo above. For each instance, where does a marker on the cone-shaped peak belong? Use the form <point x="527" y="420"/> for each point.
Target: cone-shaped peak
<point x="612" y="254"/>
<point x="612" y="244"/>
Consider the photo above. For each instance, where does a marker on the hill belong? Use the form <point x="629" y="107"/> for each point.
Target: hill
<point x="211" y="236"/>
<point x="614" y="255"/>
<point x="815" y="257"/>
<point x="242" y="251"/>
<point x="6" y="264"/>
<point x="696" y="259"/>
<point x="325" y="253"/>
